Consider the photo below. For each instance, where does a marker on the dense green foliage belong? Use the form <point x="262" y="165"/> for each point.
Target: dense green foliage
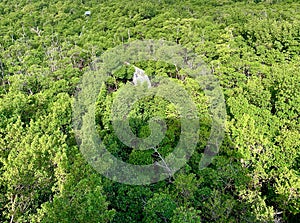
<point x="253" y="47"/>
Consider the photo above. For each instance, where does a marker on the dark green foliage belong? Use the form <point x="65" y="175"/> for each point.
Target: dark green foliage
<point x="252" y="46"/>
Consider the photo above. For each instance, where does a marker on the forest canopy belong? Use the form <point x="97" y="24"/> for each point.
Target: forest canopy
<point x="251" y="46"/>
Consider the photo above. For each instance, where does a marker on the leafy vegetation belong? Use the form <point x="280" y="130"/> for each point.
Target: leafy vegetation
<point x="251" y="46"/>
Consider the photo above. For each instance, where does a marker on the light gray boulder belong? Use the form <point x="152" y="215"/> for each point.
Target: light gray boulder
<point x="139" y="76"/>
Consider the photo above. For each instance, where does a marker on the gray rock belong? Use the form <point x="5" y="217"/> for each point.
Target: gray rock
<point x="139" y="76"/>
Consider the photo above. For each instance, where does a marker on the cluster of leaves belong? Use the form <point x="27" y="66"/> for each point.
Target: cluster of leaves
<point x="251" y="46"/>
